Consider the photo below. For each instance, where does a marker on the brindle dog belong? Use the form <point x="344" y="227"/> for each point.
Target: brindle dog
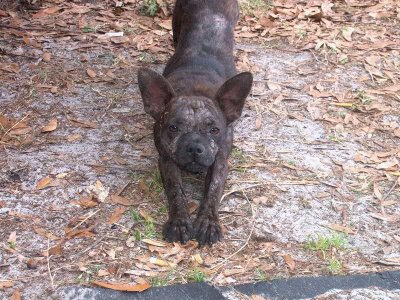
<point x="194" y="104"/>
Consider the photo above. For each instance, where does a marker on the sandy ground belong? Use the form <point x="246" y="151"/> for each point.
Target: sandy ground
<point x="301" y="168"/>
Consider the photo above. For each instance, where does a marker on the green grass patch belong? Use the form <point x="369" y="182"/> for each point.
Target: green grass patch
<point x="335" y="266"/>
<point x="261" y="276"/>
<point x="196" y="276"/>
<point x="150" y="8"/>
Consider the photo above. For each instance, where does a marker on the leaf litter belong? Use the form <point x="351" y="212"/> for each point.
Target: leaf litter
<point x="316" y="150"/>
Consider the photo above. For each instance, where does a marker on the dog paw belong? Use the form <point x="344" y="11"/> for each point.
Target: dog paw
<point x="177" y="230"/>
<point x="207" y="231"/>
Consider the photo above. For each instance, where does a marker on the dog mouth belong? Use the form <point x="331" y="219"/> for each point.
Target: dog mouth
<point x="195" y="168"/>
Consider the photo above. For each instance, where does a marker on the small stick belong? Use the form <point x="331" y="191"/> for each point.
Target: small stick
<point x="48" y="265"/>
<point x="390" y="191"/>
<point x="247" y="240"/>
<point x="84" y="220"/>
<point x="12" y="127"/>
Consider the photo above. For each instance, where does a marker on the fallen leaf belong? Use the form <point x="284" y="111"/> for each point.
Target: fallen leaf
<point x="12" y="239"/>
<point x="193" y="206"/>
<point x="167" y="24"/>
<point x="46" y="56"/>
<point x="341" y="228"/>
<point x="86" y="202"/>
<point x="46" y="234"/>
<point x="387" y="164"/>
<point x="119" y="40"/>
<point x="46" y="11"/>
<point x="56" y="249"/>
<point x="116" y="216"/>
<point x="74" y="137"/>
<point x="16" y="295"/>
<point x="32" y="263"/>
<point x="131" y="242"/>
<point x="43" y="183"/>
<point x="83" y="123"/>
<point x="198" y="259"/>
<point x="155" y="243"/>
<point x="161" y="263"/>
<point x="6" y="284"/>
<point x="103" y="273"/>
<point x="257" y="297"/>
<point x="230" y="272"/>
<point x="51" y="126"/>
<point x="145" y="215"/>
<point x="125" y="287"/>
<point x="289" y="261"/>
<point x="91" y="73"/>
<point x="122" y="200"/>
<point x="99" y="190"/>
<point x="347" y="32"/>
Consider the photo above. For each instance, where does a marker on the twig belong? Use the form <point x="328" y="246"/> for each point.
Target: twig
<point x="119" y="192"/>
<point x="48" y="265"/>
<point x="247" y="240"/>
<point x="12" y="127"/>
<point x="390" y="191"/>
<point x="91" y="246"/>
<point x="84" y="220"/>
<point x="294" y="182"/>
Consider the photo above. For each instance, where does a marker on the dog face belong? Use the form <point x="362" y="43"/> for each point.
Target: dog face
<point x="191" y="129"/>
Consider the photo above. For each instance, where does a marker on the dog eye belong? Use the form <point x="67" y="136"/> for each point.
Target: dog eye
<point x="214" y="130"/>
<point x="173" y="128"/>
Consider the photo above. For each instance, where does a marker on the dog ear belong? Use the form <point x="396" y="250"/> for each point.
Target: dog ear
<point x="232" y="94"/>
<point x="155" y="90"/>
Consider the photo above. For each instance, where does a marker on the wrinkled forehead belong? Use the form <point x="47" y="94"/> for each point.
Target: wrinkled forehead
<point x="195" y="110"/>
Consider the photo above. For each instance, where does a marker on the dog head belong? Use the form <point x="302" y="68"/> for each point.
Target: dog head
<point x="191" y="129"/>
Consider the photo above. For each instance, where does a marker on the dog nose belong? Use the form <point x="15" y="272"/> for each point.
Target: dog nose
<point x="196" y="149"/>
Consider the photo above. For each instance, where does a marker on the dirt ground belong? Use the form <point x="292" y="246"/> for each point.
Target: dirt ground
<point x="314" y="185"/>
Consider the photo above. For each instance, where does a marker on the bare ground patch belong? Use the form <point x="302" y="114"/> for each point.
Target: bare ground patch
<point x="313" y="186"/>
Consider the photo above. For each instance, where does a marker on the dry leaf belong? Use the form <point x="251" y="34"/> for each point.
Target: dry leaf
<point x="347" y="32"/>
<point x="16" y="295"/>
<point x="43" y="183"/>
<point x="99" y="190"/>
<point x="6" y="284"/>
<point x="155" y="243"/>
<point x="46" y="234"/>
<point x="46" y="56"/>
<point x="387" y="164"/>
<point x="57" y="249"/>
<point x="46" y="11"/>
<point x="145" y="215"/>
<point x="193" y="206"/>
<point x="103" y="273"/>
<point x="167" y="24"/>
<point x="341" y="228"/>
<point x="86" y="202"/>
<point x="198" y="259"/>
<point x="122" y="200"/>
<point x="74" y="137"/>
<point x="91" y="73"/>
<point x="51" y="126"/>
<point x="161" y="263"/>
<point x="83" y="123"/>
<point x="289" y="261"/>
<point x="116" y="216"/>
<point x="257" y="297"/>
<point x="12" y="239"/>
<point x="125" y="287"/>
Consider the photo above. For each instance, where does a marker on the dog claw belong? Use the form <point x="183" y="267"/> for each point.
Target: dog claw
<point x="207" y="231"/>
<point x="177" y="230"/>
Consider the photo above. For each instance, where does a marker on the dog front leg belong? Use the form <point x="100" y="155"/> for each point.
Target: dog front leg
<point x="178" y="227"/>
<point x="207" y="228"/>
